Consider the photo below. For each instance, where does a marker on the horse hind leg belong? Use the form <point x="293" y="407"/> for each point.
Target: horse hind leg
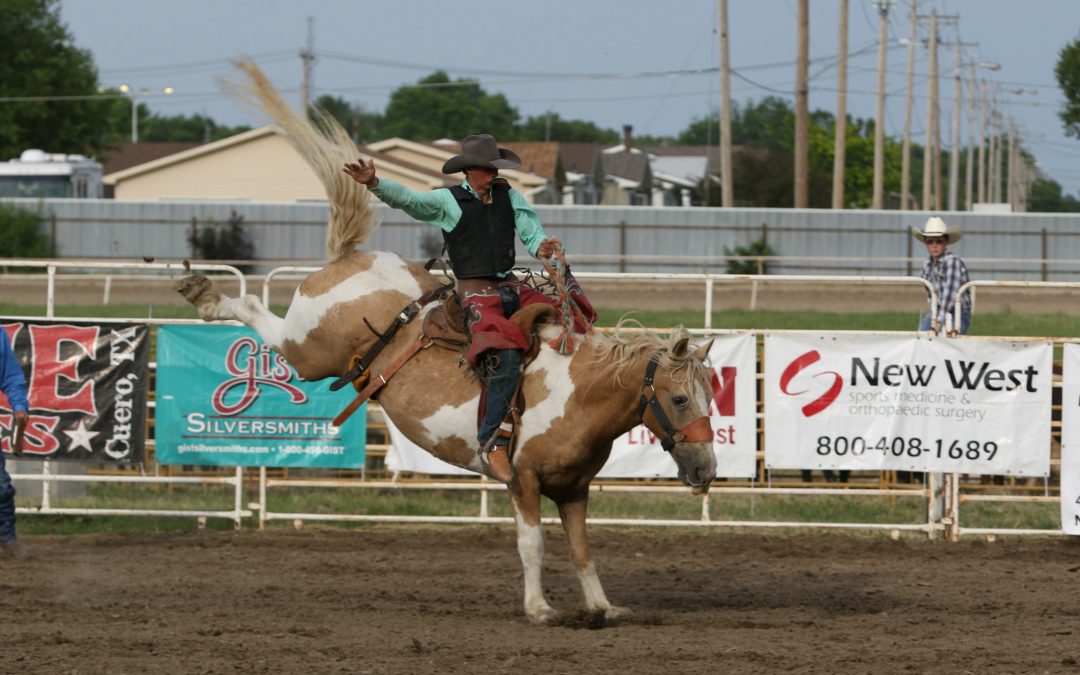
<point x="213" y="305"/>
<point x="572" y="513"/>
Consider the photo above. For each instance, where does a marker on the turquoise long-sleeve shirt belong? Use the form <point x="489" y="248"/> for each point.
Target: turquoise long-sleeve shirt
<point x="440" y="208"/>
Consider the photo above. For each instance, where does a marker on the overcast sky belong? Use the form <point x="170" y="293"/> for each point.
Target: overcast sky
<point x="613" y="62"/>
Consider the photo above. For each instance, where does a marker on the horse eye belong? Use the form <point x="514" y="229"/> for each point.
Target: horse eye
<point x="680" y="400"/>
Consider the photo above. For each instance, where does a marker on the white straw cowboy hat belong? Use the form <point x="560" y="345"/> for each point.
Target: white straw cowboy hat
<point x="481" y="150"/>
<point x="936" y="227"/>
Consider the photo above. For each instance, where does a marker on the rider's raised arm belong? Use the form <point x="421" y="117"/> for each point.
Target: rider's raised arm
<point x="437" y="207"/>
<point x="529" y="229"/>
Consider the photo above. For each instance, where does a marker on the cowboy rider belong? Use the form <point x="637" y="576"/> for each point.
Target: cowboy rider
<point x="479" y="219"/>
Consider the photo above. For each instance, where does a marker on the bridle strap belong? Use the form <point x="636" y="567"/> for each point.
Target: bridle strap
<point x="698" y="431"/>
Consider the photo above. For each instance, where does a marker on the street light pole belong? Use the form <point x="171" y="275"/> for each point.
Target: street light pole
<point x="130" y="91"/>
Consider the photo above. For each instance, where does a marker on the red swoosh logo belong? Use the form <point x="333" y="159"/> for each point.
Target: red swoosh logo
<point x="802" y="363"/>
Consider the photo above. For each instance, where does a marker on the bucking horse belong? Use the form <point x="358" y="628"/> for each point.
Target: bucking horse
<point x="576" y="404"/>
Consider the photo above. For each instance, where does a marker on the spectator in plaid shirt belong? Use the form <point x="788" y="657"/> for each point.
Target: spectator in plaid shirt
<point x="947" y="273"/>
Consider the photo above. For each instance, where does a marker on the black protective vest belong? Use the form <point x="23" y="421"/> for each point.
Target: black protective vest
<point x="482" y="242"/>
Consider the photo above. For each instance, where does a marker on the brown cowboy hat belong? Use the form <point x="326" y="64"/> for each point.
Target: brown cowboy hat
<point x="481" y="150"/>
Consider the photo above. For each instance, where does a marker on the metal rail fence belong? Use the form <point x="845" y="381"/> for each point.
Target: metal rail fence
<point x="942" y="494"/>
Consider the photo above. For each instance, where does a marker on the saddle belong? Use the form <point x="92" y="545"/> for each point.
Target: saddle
<point x="443" y="326"/>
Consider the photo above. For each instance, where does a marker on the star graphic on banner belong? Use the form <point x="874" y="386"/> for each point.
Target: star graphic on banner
<point x="81" y="437"/>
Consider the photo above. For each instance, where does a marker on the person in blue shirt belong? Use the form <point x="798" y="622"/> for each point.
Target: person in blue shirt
<point x="13" y="384"/>
<point x="480" y="220"/>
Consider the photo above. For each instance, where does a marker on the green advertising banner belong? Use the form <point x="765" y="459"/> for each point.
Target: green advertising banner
<point x="224" y="398"/>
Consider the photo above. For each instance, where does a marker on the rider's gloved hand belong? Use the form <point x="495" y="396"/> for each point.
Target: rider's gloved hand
<point x="547" y="248"/>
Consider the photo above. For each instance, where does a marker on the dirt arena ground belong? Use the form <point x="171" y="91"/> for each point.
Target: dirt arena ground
<point x="421" y="599"/>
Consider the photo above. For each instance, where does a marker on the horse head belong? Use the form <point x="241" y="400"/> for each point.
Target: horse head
<point x="674" y="405"/>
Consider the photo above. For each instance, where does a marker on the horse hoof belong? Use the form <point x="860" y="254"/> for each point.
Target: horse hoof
<point x="545" y="616"/>
<point x="193" y="287"/>
<point x="613" y="613"/>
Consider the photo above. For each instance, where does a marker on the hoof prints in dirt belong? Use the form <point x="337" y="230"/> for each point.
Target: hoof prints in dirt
<point x="596" y="620"/>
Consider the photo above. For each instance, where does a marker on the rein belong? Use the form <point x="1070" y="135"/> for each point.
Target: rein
<point x="555" y="267"/>
<point x="698" y="431"/>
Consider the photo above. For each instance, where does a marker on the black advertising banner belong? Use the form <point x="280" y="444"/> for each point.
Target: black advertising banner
<point x="86" y="384"/>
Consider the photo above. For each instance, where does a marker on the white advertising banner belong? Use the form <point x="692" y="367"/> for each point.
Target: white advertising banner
<point x="1070" y="441"/>
<point x="907" y="403"/>
<point x="638" y="454"/>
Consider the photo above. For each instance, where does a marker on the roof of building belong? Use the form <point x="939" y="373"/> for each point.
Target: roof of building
<point x="579" y="157"/>
<point x="631" y="165"/>
<point x="131" y="154"/>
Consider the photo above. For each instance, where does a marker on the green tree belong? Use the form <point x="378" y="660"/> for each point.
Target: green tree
<point x="1046" y="196"/>
<point x="364" y="126"/>
<point x="550" y="126"/>
<point x="437" y="108"/>
<point x="764" y="138"/>
<point x="154" y="127"/>
<point x="1067" y="72"/>
<point x="228" y="242"/>
<point x="189" y="128"/>
<point x="758" y="247"/>
<point x="20" y="234"/>
<point x="39" y="58"/>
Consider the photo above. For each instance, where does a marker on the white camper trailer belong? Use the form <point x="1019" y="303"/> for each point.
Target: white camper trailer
<point x="38" y="174"/>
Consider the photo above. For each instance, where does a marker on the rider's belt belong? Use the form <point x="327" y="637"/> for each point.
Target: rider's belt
<point x="479" y="286"/>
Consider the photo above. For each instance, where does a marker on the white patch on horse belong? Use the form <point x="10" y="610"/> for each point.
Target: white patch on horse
<point x="591" y="588"/>
<point x="530" y="542"/>
<point x="388" y="272"/>
<point x="540" y="414"/>
<point x="450" y="422"/>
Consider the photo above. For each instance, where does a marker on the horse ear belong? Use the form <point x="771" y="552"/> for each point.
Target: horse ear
<point x="702" y="352"/>
<point x="679" y="350"/>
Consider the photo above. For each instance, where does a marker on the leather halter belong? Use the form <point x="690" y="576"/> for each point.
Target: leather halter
<point x="698" y="431"/>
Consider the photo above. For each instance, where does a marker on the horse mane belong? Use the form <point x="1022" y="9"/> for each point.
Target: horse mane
<point x="615" y="352"/>
<point x="325" y="146"/>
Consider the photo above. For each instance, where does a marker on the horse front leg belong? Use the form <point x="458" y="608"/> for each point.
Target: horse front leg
<point x="572" y="512"/>
<point x="525" y="500"/>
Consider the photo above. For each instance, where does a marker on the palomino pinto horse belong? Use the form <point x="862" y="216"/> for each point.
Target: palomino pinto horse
<point x="576" y="405"/>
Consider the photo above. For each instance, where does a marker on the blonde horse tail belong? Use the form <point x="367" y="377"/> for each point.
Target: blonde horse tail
<point x="326" y="147"/>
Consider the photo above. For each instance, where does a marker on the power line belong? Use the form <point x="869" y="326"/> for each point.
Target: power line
<point x="193" y="66"/>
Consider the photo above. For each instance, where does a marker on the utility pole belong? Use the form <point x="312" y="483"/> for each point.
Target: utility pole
<point x="841" y="112"/>
<point x="932" y="162"/>
<point x="801" y="107"/>
<point x="931" y="117"/>
<point x="307" y="58"/>
<point x="727" y="183"/>
<point x="905" y="169"/>
<point x="981" y="178"/>
<point x="1012" y="194"/>
<point x="954" y="155"/>
<point x="995" y="154"/>
<point x="969" y="170"/>
<point x="879" y="124"/>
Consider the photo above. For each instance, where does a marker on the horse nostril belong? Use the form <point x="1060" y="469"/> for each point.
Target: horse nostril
<point x="704" y="476"/>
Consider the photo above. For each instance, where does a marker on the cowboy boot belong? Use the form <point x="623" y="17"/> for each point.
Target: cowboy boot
<point x="497" y="461"/>
<point x="495" y="433"/>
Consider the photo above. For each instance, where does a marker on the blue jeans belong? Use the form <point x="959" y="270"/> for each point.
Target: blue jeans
<point x="7" y="504"/>
<point x="965" y="322"/>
